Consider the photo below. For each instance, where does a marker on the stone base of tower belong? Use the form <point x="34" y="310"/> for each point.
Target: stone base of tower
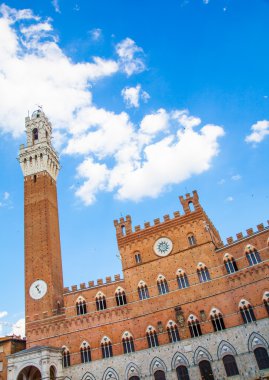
<point x="240" y="342"/>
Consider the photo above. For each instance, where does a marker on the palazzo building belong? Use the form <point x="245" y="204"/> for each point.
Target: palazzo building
<point x="187" y="307"/>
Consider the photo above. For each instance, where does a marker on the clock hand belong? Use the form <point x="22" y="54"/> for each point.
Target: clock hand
<point x="37" y="287"/>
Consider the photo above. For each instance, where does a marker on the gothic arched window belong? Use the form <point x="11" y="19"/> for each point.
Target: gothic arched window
<point x="182" y="279"/>
<point x="172" y="331"/>
<point x="143" y="290"/>
<point x="128" y="343"/>
<point x="81" y="306"/>
<point x="162" y="285"/>
<point x="152" y="337"/>
<point x="230" y="365"/>
<point x="85" y="352"/>
<point x="182" y="373"/>
<point x="217" y="320"/>
<point x="262" y="357"/>
<point x="194" y="326"/>
<point x="106" y="347"/>
<point x="120" y="297"/>
<point x="100" y="301"/>
<point x="246" y="311"/>
<point x="230" y="263"/>
<point x="253" y="255"/>
<point x="66" y="357"/>
<point x="203" y="273"/>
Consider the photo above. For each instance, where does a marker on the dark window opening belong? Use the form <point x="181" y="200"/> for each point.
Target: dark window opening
<point x="128" y="345"/>
<point x="81" y="308"/>
<point x="100" y="303"/>
<point x="182" y="373"/>
<point x="262" y="358"/>
<point x="121" y="298"/>
<point x="173" y="334"/>
<point x="206" y="370"/>
<point x="230" y="365"/>
<point x="85" y="354"/>
<point x="107" y="350"/>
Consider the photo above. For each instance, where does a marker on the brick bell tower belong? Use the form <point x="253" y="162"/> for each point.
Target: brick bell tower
<point x="43" y="264"/>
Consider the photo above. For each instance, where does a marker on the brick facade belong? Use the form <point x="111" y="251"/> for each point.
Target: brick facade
<point x="219" y="279"/>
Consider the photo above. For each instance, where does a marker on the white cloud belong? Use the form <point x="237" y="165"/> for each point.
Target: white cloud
<point x="230" y="199"/>
<point x="236" y="177"/>
<point x="131" y="57"/>
<point x="96" y="34"/>
<point x="33" y="69"/>
<point x="259" y="131"/>
<point x="18" y="328"/>
<point x="6" y="196"/>
<point x="3" y="314"/>
<point x="56" y="5"/>
<point x="146" y="160"/>
<point x="116" y="155"/>
<point x="133" y="95"/>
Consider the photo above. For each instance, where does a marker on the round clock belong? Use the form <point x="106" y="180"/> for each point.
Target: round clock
<point x="163" y="246"/>
<point x="38" y="289"/>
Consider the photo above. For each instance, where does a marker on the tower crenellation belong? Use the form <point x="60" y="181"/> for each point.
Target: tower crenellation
<point x="38" y="155"/>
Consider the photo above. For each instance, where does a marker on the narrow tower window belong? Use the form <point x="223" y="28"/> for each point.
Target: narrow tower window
<point x="35" y="135"/>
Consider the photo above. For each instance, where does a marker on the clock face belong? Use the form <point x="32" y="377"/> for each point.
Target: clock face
<point x="38" y="289"/>
<point x="163" y="246"/>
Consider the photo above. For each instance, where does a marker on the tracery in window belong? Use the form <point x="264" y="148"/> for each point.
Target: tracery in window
<point x="253" y="255"/>
<point x="81" y="306"/>
<point x="217" y="319"/>
<point x="152" y="337"/>
<point x="162" y="285"/>
<point x="106" y="347"/>
<point x="128" y="343"/>
<point x="182" y="279"/>
<point x="230" y="263"/>
<point x="194" y="326"/>
<point x="246" y="311"/>
<point x="100" y="301"/>
<point x="85" y="352"/>
<point x="143" y="290"/>
<point x="66" y="357"/>
<point x="120" y="297"/>
<point x="203" y="273"/>
<point x="172" y="331"/>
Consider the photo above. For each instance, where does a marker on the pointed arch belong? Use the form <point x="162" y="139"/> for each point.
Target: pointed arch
<point x="162" y="284"/>
<point x="182" y="279"/>
<point x="100" y="300"/>
<point x="66" y="357"/>
<point x="179" y="359"/>
<point x="85" y="352"/>
<point x="200" y="354"/>
<point x="225" y="348"/>
<point x="110" y="374"/>
<point x="194" y="326"/>
<point x="246" y="311"/>
<point x="230" y="263"/>
<point x="88" y="376"/>
<point x="256" y="340"/>
<point x="217" y="319"/>
<point x="127" y="342"/>
<point x="203" y="273"/>
<point x="106" y="347"/>
<point x="152" y="337"/>
<point x="81" y="305"/>
<point x="120" y="296"/>
<point x="252" y="255"/>
<point x="132" y="370"/>
<point x="172" y="331"/>
<point x="157" y="364"/>
<point x="142" y="289"/>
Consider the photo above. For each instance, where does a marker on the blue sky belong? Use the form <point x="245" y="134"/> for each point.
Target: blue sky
<point x="149" y="100"/>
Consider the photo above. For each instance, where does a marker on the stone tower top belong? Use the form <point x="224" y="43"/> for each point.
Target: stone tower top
<point x="39" y="154"/>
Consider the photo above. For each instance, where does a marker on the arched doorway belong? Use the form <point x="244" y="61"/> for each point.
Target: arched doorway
<point x="52" y="373"/>
<point x="206" y="370"/>
<point x="159" y="375"/>
<point x="29" y="373"/>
